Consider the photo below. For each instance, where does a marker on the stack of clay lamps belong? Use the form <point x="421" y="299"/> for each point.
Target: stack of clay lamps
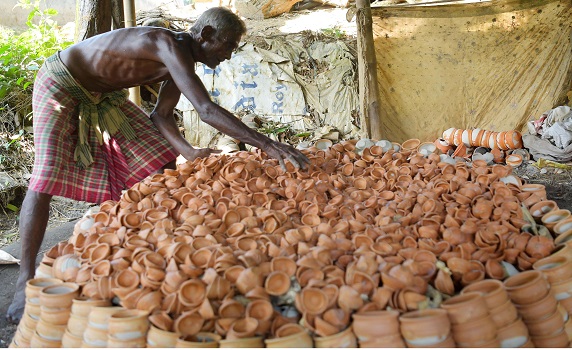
<point x="55" y="305"/>
<point x="530" y="292"/>
<point x="504" y="140"/>
<point x="427" y="328"/>
<point x="511" y="330"/>
<point x="557" y="269"/>
<point x="354" y="233"/>
<point x="78" y="321"/>
<point x="378" y="329"/>
<point x="471" y="324"/>
<point x="128" y="329"/>
<point x="32" y="311"/>
<point x="96" y="333"/>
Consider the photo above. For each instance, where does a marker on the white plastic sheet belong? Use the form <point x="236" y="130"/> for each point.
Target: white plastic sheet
<point x="7" y="259"/>
<point x="265" y="83"/>
<point x="550" y="136"/>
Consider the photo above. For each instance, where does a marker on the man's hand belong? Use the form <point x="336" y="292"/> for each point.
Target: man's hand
<point x="282" y="151"/>
<point x="194" y="153"/>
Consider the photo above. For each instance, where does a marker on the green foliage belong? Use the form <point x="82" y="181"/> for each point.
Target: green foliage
<point x="21" y="55"/>
<point x="334" y="32"/>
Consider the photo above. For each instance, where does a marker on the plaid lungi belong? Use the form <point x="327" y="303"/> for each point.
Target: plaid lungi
<point x="118" y="163"/>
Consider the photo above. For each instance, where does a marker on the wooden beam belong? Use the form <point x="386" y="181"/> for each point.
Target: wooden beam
<point x="129" y="8"/>
<point x="367" y="72"/>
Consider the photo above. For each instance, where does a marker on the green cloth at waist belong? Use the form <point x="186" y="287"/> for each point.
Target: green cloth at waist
<point x="102" y="113"/>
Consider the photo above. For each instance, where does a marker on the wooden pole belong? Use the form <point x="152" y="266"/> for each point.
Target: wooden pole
<point x="129" y="8"/>
<point x="367" y="72"/>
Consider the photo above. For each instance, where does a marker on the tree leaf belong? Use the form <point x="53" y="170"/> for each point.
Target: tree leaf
<point x="12" y="207"/>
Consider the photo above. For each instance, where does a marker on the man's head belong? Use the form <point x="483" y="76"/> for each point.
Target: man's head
<point x="222" y="20"/>
<point x="219" y="31"/>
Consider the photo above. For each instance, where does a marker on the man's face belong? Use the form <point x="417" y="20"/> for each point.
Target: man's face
<point x="219" y="49"/>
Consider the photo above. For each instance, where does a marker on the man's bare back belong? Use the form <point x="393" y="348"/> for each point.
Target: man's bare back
<point x="125" y="58"/>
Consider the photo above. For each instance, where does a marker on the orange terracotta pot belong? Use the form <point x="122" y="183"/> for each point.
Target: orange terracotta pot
<point x="59" y="295"/>
<point x="555" y="268"/>
<point x="55" y="316"/>
<point x="343" y="339"/>
<point x="128" y="324"/>
<point x="475" y="332"/>
<point x="297" y="340"/>
<point x="81" y="306"/>
<point x="562" y="290"/>
<point x="71" y="341"/>
<point x="504" y="314"/>
<point x="373" y="324"/>
<point x="35" y="285"/>
<point x="158" y="338"/>
<point x="39" y="342"/>
<point x="541" y="208"/>
<point x="493" y="292"/>
<point x="553" y="217"/>
<point x="557" y="340"/>
<point x="514" y="334"/>
<point x="50" y="331"/>
<point x="563" y="226"/>
<point x="77" y="325"/>
<point x="465" y="307"/>
<point x="449" y="342"/>
<point x="252" y="342"/>
<point x="200" y="340"/>
<point x="526" y="287"/>
<point x="548" y="325"/>
<point x="425" y="327"/>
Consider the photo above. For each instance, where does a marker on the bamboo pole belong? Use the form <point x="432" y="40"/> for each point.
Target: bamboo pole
<point x="367" y="72"/>
<point x="129" y="9"/>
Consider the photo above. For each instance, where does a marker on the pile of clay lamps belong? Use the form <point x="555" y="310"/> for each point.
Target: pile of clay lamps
<point x="504" y="140"/>
<point x="476" y="144"/>
<point x="354" y="233"/>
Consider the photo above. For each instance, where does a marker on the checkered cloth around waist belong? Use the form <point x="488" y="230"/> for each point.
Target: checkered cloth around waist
<point x="101" y="113"/>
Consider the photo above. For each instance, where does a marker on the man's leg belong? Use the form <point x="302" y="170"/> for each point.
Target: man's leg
<point x="33" y="221"/>
<point x="170" y="165"/>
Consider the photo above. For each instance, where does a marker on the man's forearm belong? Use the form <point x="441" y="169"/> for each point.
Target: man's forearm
<point x="227" y="123"/>
<point x="169" y="129"/>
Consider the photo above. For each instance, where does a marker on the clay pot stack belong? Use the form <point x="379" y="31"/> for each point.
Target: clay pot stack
<point x="426" y="328"/>
<point x="343" y="339"/>
<point x="233" y="245"/>
<point x="557" y="269"/>
<point x="504" y="140"/>
<point x="471" y="324"/>
<point x="290" y="335"/>
<point x="32" y="311"/>
<point x="510" y="329"/>
<point x="55" y="305"/>
<point x="157" y="337"/>
<point x="536" y="303"/>
<point x="78" y="320"/>
<point x="97" y="331"/>
<point x="555" y="217"/>
<point x="540" y="208"/>
<point x="378" y="329"/>
<point x="128" y="329"/>
<point x="200" y="340"/>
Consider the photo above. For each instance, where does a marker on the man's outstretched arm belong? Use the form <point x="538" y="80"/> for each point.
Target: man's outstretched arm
<point x="229" y="124"/>
<point x="163" y="118"/>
